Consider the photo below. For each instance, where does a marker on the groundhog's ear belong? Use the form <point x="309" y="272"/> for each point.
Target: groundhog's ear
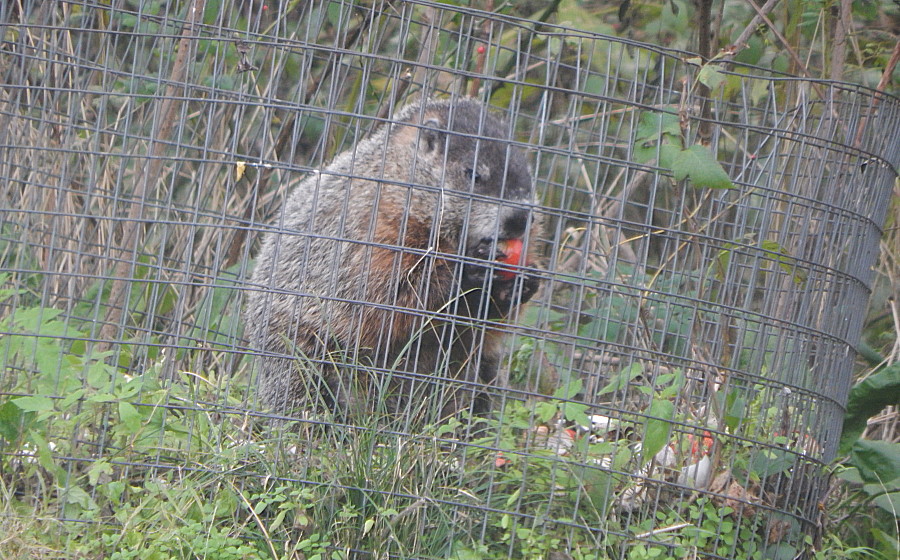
<point x="432" y="135"/>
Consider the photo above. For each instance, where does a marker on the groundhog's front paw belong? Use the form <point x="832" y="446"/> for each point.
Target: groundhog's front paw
<point x="475" y="276"/>
<point x="506" y="294"/>
<point x="530" y="285"/>
<point x="496" y="278"/>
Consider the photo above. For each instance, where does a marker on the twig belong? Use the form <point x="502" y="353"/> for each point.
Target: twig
<point x="152" y="173"/>
<point x="705" y="32"/>
<point x="839" y="48"/>
<point x="742" y="39"/>
<point x="704" y="47"/>
<point x="524" y="41"/>
<point x="481" y="52"/>
<point x="781" y="38"/>
<point x="886" y="77"/>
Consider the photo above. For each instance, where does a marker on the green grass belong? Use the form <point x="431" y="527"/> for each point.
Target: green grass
<point x="128" y="467"/>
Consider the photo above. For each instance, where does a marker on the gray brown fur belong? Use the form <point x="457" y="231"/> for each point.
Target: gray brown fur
<point x="364" y="268"/>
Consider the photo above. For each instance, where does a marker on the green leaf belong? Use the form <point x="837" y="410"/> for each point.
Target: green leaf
<point x="670" y="384"/>
<point x="78" y="496"/>
<point x="38" y="320"/>
<point x="6" y="293"/>
<point x="724" y="259"/>
<point x="513" y="497"/>
<point x="569" y="390"/>
<point x="772" y="461"/>
<point x="102" y="398"/>
<point x="785" y="260"/>
<point x="11" y="417"/>
<point x="130" y="417"/>
<point x="599" y="486"/>
<point x="71" y="398"/>
<point x="544" y="411"/>
<point x="98" y="468"/>
<point x="34" y="404"/>
<point x="99" y="373"/>
<point x="657" y="433"/>
<point x="867" y="399"/>
<point x="878" y="461"/>
<point x="711" y="76"/>
<point x="752" y="52"/>
<point x="668" y="155"/>
<point x="45" y="455"/>
<point x="781" y="63"/>
<point x="699" y="164"/>
<point x="889" y="541"/>
<point x="654" y="126"/>
<point x="621" y="380"/>
<point x="850" y="474"/>
<point x="279" y="519"/>
<point x="466" y="554"/>
<point x="576" y="413"/>
<point x="735" y="410"/>
<point x="886" y="499"/>
<point x="658" y="134"/>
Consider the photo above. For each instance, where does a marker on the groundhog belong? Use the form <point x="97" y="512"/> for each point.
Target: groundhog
<point x="383" y="280"/>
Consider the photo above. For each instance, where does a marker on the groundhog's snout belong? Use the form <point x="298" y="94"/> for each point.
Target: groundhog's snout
<point x="515" y="223"/>
<point x="510" y="223"/>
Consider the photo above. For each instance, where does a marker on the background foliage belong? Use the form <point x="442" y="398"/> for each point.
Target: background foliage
<point x="116" y="507"/>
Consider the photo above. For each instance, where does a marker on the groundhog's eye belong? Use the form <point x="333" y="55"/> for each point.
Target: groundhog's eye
<point x="473" y="175"/>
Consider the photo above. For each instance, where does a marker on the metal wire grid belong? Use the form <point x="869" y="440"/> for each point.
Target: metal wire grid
<point x="134" y="190"/>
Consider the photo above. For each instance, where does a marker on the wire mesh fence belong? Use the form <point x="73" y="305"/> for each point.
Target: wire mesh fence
<point x="594" y="299"/>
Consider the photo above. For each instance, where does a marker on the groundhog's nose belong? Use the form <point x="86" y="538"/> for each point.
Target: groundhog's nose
<point x="515" y="223"/>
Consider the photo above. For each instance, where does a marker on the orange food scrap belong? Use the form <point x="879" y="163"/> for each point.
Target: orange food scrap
<point x="509" y="252"/>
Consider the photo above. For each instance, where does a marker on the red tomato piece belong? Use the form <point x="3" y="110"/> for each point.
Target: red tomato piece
<point x="511" y="253"/>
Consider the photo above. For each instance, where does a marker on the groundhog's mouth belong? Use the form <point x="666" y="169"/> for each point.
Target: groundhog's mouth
<point x="506" y="251"/>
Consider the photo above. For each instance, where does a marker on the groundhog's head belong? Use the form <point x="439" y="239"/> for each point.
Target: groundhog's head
<point x="485" y="182"/>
